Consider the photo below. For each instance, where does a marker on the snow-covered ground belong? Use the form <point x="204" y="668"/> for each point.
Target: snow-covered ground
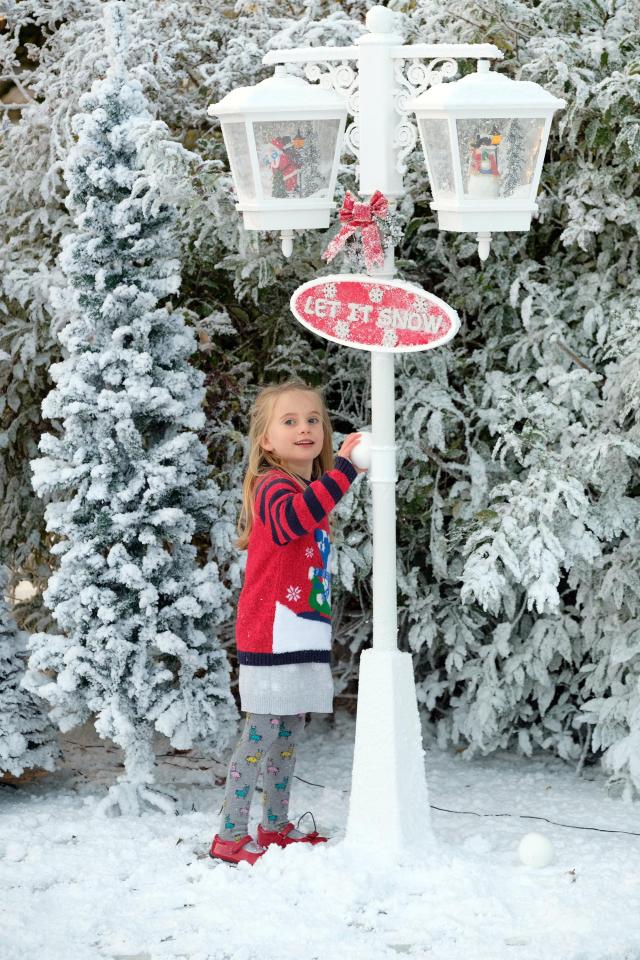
<point x="78" y="887"/>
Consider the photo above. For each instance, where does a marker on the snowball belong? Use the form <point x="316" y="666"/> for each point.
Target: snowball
<point x="361" y="453"/>
<point x="535" y="850"/>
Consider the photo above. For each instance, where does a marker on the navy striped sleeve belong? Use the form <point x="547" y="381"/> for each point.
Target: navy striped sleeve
<point x="289" y="513"/>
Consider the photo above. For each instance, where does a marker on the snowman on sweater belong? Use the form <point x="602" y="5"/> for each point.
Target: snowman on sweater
<point x="320" y="596"/>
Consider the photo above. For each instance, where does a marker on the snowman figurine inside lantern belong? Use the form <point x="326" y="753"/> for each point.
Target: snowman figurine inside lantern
<point x="484" y="175"/>
<point x="484" y="138"/>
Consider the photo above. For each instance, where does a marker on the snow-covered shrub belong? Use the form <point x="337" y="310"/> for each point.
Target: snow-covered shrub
<point x="27" y="738"/>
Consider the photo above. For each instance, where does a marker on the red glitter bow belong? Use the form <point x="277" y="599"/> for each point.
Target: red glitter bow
<point x="361" y="216"/>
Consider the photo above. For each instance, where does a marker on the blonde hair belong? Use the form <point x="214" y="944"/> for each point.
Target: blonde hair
<point x="261" y="461"/>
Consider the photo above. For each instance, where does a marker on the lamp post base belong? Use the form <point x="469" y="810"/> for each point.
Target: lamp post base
<point x="389" y="805"/>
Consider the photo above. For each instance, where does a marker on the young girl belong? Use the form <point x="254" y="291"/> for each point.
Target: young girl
<point x="283" y="623"/>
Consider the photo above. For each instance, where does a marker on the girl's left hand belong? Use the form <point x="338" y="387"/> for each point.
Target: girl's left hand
<point x="348" y="444"/>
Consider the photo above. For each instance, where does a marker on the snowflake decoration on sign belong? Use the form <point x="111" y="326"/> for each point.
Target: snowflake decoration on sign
<point x="308" y="552"/>
<point x="342" y="329"/>
<point x="376" y="294"/>
<point x="293" y="593"/>
<point x="389" y="338"/>
<point x="330" y="290"/>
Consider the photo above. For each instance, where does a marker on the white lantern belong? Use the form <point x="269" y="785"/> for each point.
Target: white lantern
<point x="283" y="138"/>
<point x="484" y="139"/>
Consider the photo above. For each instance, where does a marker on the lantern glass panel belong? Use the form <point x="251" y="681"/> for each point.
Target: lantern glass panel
<point x="498" y="155"/>
<point x="296" y="157"/>
<point x="435" y="138"/>
<point x="235" y="139"/>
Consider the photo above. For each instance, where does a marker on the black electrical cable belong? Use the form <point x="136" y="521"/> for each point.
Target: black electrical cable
<point x="527" y="816"/>
<point x="520" y="816"/>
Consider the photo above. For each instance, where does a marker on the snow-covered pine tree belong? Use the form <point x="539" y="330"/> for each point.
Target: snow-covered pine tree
<point x="310" y="172"/>
<point x="129" y="476"/>
<point x="514" y="148"/>
<point x="278" y="188"/>
<point x="27" y="738"/>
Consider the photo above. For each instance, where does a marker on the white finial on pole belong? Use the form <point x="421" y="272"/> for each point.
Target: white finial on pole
<point x="381" y="20"/>
<point x="484" y="245"/>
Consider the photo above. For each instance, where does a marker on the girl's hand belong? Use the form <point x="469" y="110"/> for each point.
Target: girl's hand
<point x="348" y="444"/>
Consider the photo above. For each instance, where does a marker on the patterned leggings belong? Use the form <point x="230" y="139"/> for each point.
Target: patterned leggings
<point x="267" y="742"/>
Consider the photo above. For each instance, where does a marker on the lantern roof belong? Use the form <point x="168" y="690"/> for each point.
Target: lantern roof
<point x="280" y="94"/>
<point x="487" y="91"/>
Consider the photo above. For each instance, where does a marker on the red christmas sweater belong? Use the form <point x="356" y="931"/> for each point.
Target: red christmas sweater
<point x="284" y="608"/>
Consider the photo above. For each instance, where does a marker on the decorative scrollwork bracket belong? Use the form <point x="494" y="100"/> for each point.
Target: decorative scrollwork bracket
<point x="344" y="80"/>
<point x="411" y="83"/>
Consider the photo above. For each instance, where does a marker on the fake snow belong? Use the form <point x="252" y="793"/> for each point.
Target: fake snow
<point x="78" y="887"/>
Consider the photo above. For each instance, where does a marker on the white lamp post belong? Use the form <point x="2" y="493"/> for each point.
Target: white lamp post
<point x="389" y="806"/>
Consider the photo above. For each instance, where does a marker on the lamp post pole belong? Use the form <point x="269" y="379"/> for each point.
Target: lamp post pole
<point x="389" y="802"/>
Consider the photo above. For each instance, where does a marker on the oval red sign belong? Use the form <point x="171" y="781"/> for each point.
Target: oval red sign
<point x="360" y="311"/>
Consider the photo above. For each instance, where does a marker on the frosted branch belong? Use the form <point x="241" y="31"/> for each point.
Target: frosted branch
<point x="115" y="17"/>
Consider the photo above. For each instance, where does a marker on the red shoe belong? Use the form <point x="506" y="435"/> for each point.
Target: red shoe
<point x="282" y="838"/>
<point x="232" y="850"/>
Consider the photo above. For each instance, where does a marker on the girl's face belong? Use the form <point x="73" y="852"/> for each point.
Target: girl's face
<point x="295" y="433"/>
